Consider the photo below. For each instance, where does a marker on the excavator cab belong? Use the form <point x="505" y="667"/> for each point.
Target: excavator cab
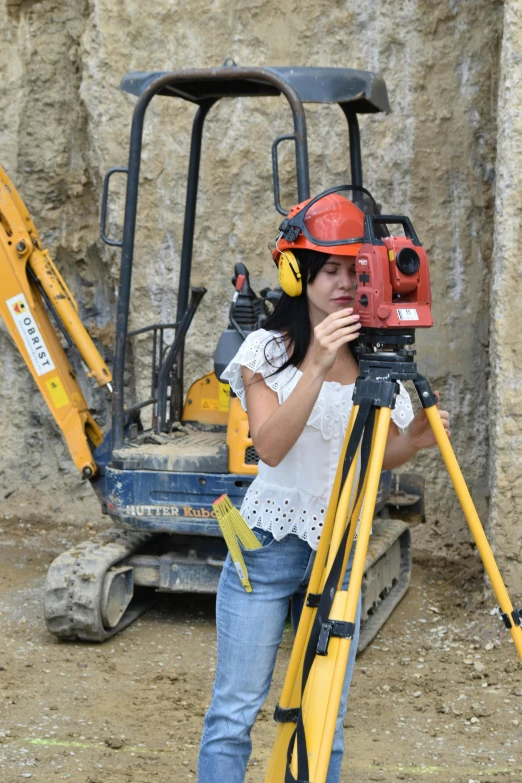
<point x="158" y="482"/>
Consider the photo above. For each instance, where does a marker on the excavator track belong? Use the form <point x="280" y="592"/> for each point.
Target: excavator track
<point x="88" y="593"/>
<point x="386" y="577"/>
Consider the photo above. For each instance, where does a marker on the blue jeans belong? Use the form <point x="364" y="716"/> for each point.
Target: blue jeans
<point x="249" y="629"/>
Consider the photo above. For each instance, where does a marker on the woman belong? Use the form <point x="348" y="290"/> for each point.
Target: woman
<point x="295" y="379"/>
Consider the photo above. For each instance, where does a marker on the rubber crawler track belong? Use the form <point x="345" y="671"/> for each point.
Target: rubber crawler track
<point x="385" y="533"/>
<point x="74" y="583"/>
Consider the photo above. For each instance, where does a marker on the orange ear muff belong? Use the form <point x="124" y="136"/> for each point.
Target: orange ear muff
<point x="290" y="278"/>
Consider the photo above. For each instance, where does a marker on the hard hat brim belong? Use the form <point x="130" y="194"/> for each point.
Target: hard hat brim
<point x="331" y="250"/>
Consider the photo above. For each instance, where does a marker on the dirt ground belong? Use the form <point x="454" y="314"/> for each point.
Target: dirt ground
<point x="436" y="697"/>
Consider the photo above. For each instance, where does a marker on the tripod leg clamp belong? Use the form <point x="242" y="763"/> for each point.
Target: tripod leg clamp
<point x="426" y="396"/>
<point x="286" y="715"/>
<point x="516" y="614"/>
<point x="333" y="628"/>
<point x="382" y="392"/>
<point x="313" y="599"/>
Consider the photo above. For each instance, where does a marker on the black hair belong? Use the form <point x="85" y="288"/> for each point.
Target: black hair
<point x="291" y="316"/>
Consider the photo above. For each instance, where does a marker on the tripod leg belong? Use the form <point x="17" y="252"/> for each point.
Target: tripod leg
<point x="321" y="727"/>
<point x="353" y="516"/>
<point x="336" y="515"/>
<point x="477" y="531"/>
<point x="320" y="684"/>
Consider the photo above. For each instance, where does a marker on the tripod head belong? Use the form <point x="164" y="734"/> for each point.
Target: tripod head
<point x="378" y="346"/>
<point x="378" y="340"/>
<point x="387" y="353"/>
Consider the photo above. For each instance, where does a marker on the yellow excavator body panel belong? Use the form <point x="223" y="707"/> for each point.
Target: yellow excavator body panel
<point x="209" y="401"/>
<point x="28" y="275"/>
<point x="242" y="457"/>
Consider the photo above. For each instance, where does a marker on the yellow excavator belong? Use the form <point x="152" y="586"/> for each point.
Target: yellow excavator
<point x="158" y="482"/>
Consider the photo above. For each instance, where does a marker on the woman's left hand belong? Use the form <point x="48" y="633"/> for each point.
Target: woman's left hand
<point x="420" y="432"/>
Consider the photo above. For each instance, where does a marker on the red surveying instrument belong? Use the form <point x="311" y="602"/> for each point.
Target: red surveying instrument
<point x="393" y="298"/>
<point x="393" y="277"/>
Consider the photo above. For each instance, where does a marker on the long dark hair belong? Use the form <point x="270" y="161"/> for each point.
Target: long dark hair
<point x="291" y="317"/>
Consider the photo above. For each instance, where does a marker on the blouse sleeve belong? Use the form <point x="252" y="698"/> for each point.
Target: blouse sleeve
<point x="262" y="352"/>
<point x="402" y="414"/>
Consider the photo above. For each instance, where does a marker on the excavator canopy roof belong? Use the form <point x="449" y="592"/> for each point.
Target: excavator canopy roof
<point x="363" y="90"/>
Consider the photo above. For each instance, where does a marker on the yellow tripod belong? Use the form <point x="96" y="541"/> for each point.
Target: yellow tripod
<point x="310" y="699"/>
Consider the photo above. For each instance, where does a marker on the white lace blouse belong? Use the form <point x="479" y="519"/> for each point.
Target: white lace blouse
<point x="293" y="496"/>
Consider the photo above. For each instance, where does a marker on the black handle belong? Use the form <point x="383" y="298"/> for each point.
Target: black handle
<point x="105" y="199"/>
<point x="275" y="170"/>
<point x="196" y="295"/>
<point x="369" y="228"/>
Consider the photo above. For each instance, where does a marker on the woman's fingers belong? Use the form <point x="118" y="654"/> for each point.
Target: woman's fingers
<point x="341" y="333"/>
<point x="336" y="321"/>
<point x="335" y="333"/>
<point x="346" y="338"/>
<point x="329" y="342"/>
<point x="444" y="415"/>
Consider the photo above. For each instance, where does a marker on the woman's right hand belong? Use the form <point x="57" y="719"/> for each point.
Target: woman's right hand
<point x="337" y="329"/>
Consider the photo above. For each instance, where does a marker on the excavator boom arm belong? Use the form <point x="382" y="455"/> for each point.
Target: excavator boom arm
<point x="29" y="277"/>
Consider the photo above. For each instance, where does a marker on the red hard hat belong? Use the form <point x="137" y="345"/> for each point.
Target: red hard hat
<point x="332" y="217"/>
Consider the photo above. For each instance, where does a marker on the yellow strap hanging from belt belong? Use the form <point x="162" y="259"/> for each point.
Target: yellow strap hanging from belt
<point x="234" y="527"/>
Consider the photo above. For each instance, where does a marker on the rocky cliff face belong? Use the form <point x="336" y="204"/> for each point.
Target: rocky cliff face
<point x="505" y="307"/>
<point x="64" y="122"/>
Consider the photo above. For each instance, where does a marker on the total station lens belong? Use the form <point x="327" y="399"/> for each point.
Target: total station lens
<point x="408" y="261"/>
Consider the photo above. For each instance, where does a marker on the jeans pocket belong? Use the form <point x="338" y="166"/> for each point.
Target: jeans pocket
<point x="265" y="538"/>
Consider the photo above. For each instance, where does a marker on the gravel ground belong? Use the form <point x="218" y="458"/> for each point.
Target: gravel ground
<point x="436" y="697"/>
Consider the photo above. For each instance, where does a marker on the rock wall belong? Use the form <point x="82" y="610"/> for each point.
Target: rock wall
<point x="505" y="309"/>
<point x="64" y="122"/>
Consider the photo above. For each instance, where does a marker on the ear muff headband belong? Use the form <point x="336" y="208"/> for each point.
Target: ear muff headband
<point x="290" y="278"/>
